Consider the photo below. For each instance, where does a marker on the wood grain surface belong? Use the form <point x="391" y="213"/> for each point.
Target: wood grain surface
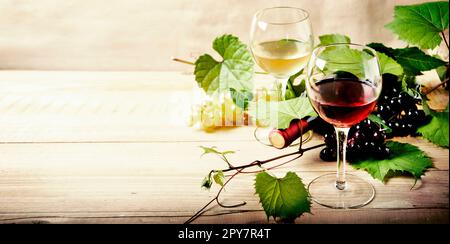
<point x="113" y="147"/>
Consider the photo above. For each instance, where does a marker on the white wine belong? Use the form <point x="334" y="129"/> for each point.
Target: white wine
<point x="282" y="58"/>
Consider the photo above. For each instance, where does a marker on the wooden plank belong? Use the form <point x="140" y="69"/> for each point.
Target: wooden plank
<point x="94" y="106"/>
<point x="322" y="216"/>
<point x="46" y="194"/>
<point x="181" y="157"/>
<point x="161" y="177"/>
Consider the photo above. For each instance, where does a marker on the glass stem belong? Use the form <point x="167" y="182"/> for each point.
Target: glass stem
<point x="341" y="135"/>
<point x="281" y="88"/>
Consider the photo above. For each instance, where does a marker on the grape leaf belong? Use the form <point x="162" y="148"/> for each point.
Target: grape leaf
<point x="293" y="91"/>
<point x="386" y="57"/>
<point x="377" y="120"/>
<point x="420" y="24"/>
<point x="241" y="98"/>
<point x="333" y="38"/>
<point x="404" y="157"/>
<point x="414" y="60"/>
<point x="442" y="72"/>
<point x="207" y="150"/>
<point x="280" y="114"/>
<point x="207" y="182"/>
<point x="389" y="65"/>
<point x="219" y="177"/>
<point x="426" y="108"/>
<point x="285" y="198"/>
<point x="437" y="130"/>
<point x="409" y="84"/>
<point x="344" y="59"/>
<point x="381" y="48"/>
<point x="234" y="71"/>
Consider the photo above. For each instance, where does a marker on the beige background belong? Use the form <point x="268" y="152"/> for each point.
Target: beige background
<point x="143" y="35"/>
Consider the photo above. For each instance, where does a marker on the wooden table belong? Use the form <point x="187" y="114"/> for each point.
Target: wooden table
<point x="113" y="147"/>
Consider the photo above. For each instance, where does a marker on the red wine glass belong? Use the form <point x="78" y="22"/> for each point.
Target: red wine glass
<point x="343" y="85"/>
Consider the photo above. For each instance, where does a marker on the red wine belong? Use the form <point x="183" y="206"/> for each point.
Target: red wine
<point x="343" y="102"/>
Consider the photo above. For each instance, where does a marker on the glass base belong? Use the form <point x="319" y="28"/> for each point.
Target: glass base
<point x="357" y="192"/>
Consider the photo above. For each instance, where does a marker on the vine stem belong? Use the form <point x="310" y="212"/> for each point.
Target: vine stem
<point x="239" y="169"/>
<point x="445" y="39"/>
<point x="182" y="61"/>
<point x="436" y="87"/>
<point x="262" y="162"/>
<point x="216" y="198"/>
<point x="192" y="63"/>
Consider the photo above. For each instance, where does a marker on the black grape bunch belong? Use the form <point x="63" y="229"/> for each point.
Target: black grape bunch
<point x="364" y="139"/>
<point x="398" y="110"/>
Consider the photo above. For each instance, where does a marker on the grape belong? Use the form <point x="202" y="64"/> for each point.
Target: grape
<point x="359" y="127"/>
<point x="366" y="123"/>
<point x="394" y="103"/>
<point x="216" y="111"/>
<point x="412" y="114"/>
<point x="378" y="136"/>
<point x="330" y="139"/>
<point x="410" y="127"/>
<point x="328" y="154"/>
<point x="389" y="81"/>
<point x="421" y="115"/>
<point x="209" y="117"/>
<point x="406" y="100"/>
<point x="385" y="110"/>
<point x="394" y="91"/>
<point x="369" y="146"/>
<point x="358" y="136"/>
<point x="321" y="127"/>
<point x="353" y="150"/>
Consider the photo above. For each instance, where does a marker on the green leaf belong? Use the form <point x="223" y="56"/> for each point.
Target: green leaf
<point x="333" y="38"/>
<point x="420" y="24"/>
<point x="219" y="177"/>
<point x="234" y="71"/>
<point x="207" y="150"/>
<point x="377" y="120"/>
<point x="437" y="130"/>
<point x="408" y="86"/>
<point x="442" y="72"/>
<point x="414" y="60"/>
<point x="381" y="48"/>
<point x="426" y="109"/>
<point x="344" y="59"/>
<point x="285" y="198"/>
<point x="389" y="65"/>
<point x="403" y="158"/>
<point x="293" y="91"/>
<point x="207" y="182"/>
<point x="280" y="114"/>
<point x="241" y="98"/>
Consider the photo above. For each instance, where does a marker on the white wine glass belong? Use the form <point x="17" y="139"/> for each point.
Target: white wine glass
<point x="281" y="41"/>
